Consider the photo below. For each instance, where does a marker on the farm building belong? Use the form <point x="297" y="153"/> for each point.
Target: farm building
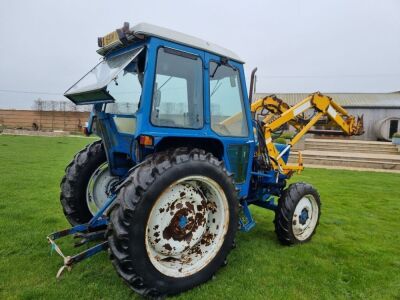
<point x="381" y="111"/>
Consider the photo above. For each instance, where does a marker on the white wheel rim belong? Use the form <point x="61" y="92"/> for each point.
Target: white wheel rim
<point x="305" y="217"/>
<point x="99" y="187"/>
<point x="187" y="226"/>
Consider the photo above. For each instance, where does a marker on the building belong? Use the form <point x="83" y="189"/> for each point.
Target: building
<point x="381" y="111"/>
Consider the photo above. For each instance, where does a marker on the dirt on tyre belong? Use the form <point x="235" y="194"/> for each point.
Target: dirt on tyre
<point x="85" y="184"/>
<point x="173" y="223"/>
<point x="297" y="215"/>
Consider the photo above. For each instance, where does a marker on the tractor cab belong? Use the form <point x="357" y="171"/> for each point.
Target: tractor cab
<point x="156" y="88"/>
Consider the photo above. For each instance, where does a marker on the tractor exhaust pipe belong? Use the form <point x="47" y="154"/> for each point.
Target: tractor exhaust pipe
<point x="252" y="85"/>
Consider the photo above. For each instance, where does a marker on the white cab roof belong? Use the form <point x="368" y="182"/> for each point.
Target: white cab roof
<point x="181" y="38"/>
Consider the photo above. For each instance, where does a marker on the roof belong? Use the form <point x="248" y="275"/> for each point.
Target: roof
<point x="381" y="100"/>
<point x="182" y="38"/>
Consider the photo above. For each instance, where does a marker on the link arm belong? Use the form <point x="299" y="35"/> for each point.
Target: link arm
<point x="324" y="105"/>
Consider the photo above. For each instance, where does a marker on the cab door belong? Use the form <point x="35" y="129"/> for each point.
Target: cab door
<point x="229" y="116"/>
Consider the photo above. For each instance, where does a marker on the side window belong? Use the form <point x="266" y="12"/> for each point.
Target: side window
<point x="228" y="116"/>
<point x="126" y="88"/>
<point x="178" y="90"/>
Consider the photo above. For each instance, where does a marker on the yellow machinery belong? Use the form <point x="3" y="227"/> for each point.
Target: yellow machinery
<point x="281" y="113"/>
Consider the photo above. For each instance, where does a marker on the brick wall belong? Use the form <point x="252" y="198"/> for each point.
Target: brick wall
<point x="71" y="121"/>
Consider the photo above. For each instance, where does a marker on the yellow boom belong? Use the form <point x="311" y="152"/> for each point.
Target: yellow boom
<point x="323" y="105"/>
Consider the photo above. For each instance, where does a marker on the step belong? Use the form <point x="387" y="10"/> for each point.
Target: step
<point x="349" y="163"/>
<point x="393" y="151"/>
<point x="367" y="160"/>
<point x="352" y="147"/>
<point x="352" y="168"/>
<point x="346" y="141"/>
<point x="352" y="155"/>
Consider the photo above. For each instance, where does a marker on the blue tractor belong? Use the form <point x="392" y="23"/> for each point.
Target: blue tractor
<point x="182" y="154"/>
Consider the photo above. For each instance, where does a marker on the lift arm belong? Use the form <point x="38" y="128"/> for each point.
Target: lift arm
<point x="323" y="105"/>
<point x="274" y="106"/>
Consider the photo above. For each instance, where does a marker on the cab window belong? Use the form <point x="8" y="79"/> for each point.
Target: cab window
<point x="228" y="116"/>
<point x="126" y="88"/>
<point x="178" y="90"/>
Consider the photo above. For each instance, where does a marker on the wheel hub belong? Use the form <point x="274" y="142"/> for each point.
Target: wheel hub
<point x="303" y="216"/>
<point x="183" y="221"/>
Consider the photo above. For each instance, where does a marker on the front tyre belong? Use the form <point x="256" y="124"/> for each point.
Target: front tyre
<point x="86" y="184"/>
<point x="173" y="223"/>
<point x="297" y="214"/>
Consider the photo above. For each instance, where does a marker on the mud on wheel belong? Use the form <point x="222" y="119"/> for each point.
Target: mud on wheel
<point x="297" y="215"/>
<point x="173" y="223"/>
<point x="86" y="184"/>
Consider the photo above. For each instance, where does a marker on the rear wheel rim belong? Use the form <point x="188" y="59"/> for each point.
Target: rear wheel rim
<point x="187" y="225"/>
<point x="305" y="217"/>
<point x="99" y="188"/>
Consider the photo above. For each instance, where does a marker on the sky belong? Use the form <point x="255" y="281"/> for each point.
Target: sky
<point x="297" y="45"/>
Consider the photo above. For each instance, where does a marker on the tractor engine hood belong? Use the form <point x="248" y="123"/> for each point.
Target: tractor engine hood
<point x="92" y="87"/>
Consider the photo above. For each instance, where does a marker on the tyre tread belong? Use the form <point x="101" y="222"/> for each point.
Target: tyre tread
<point x="129" y="196"/>
<point x="286" y="206"/>
<point x="70" y="183"/>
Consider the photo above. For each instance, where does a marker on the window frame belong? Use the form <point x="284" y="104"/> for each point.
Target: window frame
<point x="124" y="114"/>
<point x="101" y="90"/>
<point x="185" y="54"/>
<point x="242" y="102"/>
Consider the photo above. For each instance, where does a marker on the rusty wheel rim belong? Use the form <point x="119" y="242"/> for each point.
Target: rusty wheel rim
<point x="187" y="226"/>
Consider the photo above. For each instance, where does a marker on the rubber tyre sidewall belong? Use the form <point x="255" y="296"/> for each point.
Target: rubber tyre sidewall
<point x="74" y="184"/>
<point x="286" y="208"/>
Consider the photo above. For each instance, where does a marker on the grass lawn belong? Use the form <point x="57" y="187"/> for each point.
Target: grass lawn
<point x="355" y="253"/>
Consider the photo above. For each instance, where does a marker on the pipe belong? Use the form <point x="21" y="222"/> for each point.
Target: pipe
<point x="252" y="79"/>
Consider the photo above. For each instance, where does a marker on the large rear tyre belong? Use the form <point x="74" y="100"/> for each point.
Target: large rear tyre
<point x="86" y="184"/>
<point x="173" y="223"/>
<point x="297" y="215"/>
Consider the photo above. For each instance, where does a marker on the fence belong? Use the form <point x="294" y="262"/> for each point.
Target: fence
<point x="71" y="121"/>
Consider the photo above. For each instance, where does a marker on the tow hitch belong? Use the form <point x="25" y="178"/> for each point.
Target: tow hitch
<point x="91" y="231"/>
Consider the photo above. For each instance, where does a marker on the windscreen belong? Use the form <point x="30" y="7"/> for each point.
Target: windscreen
<point x="92" y="88"/>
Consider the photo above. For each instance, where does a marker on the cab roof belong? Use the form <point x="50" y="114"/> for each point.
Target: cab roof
<point x="145" y="29"/>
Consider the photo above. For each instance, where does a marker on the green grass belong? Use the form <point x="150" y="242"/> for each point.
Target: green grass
<point x="355" y="253"/>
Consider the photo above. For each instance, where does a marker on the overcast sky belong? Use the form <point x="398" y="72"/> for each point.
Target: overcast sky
<point x="297" y="45"/>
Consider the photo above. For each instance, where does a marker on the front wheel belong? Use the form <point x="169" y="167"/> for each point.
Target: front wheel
<point x="297" y="214"/>
<point x="173" y="223"/>
<point x="86" y="184"/>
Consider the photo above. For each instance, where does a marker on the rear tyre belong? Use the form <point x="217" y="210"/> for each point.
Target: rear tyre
<point x="173" y="223"/>
<point x="297" y="215"/>
<point x="86" y="184"/>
